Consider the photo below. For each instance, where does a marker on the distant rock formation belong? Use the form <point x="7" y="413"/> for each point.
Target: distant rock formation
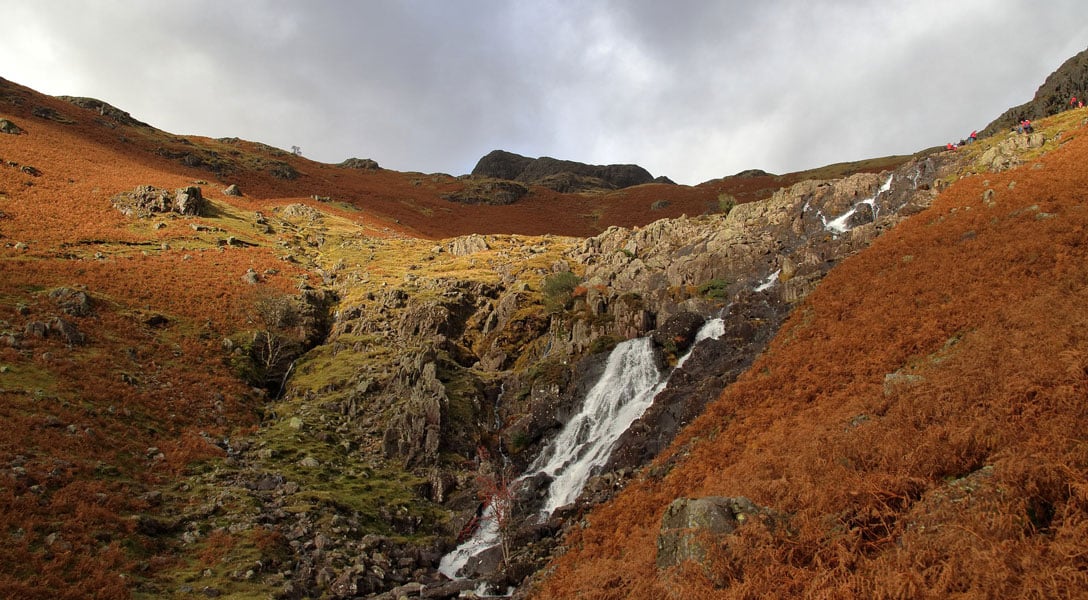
<point x="1071" y="79"/>
<point x="104" y="109"/>
<point x="362" y="164"/>
<point x="559" y="175"/>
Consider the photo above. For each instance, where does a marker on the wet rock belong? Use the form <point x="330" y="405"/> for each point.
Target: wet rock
<point x="678" y="332"/>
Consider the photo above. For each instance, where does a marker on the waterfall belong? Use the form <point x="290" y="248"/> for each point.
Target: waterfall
<point x="624" y="391"/>
<point x="627" y="387"/>
<point x="840" y="224"/>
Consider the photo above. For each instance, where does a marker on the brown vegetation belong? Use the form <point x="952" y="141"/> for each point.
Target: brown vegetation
<point x="921" y="418"/>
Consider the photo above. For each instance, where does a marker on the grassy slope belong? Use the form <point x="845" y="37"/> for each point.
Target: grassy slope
<point x="81" y="465"/>
<point x="970" y="482"/>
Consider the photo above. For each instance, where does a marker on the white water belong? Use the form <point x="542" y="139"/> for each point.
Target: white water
<point x="768" y="283"/>
<point x="628" y="385"/>
<point x="484" y="538"/>
<point x="839" y="223"/>
<point x="624" y="391"/>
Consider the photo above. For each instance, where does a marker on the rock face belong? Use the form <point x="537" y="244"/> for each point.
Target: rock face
<point x="147" y="200"/>
<point x="559" y="175"/>
<point x="1071" y="79"/>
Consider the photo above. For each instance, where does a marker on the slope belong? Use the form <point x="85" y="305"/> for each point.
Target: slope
<point x="917" y="427"/>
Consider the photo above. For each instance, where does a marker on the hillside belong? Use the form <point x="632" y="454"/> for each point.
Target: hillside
<point x="131" y="350"/>
<point x="306" y="385"/>
<point x="915" y="430"/>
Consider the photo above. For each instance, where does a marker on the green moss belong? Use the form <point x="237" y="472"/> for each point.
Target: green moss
<point x="715" y="288"/>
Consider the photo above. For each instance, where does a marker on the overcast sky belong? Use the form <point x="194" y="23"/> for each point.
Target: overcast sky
<point x="690" y="89"/>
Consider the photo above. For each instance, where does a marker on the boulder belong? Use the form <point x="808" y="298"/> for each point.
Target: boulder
<point x="73" y="302"/>
<point x="678" y="332"/>
<point x="189" y="201"/>
<point x="691" y="525"/>
<point x="67" y="332"/>
<point x="8" y="127"/>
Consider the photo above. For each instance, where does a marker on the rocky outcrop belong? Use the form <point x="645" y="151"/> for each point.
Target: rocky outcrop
<point x="488" y="191"/>
<point x="1006" y="154"/>
<point x="360" y="164"/>
<point x="560" y="175"/>
<point x="1052" y="97"/>
<point x="147" y="200"/>
<point x="104" y="109"/>
<point x="9" y="127"/>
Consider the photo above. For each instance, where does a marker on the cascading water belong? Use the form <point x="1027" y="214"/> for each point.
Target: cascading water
<point x="624" y="391"/>
<point x="840" y="224"/>
<point x="626" y="388"/>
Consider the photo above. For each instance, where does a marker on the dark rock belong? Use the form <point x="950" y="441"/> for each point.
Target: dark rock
<point x="8" y="127"/>
<point x="753" y="173"/>
<point x="72" y="302"/>
<point x="189" y="201"/>
<point x="450" y="589"/>
<point x="362" y="164"/>
<point x="105" y="110"/>
<point x="36" y="329"/>
<point x="488" y="191"/>
<point x="678" y="332"/>
<point x="67" y="332"/>
<point x="561" y="175"/>
<point x="1052" y="97"/>
<point x="281" y="170"/>
<point x="713" y="363"/>
<point x="156" y="321"/>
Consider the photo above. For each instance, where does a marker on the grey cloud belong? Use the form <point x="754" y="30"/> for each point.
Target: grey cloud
<point x="689" y="89"/>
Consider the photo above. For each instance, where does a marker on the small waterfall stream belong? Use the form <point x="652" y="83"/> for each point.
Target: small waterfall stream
<point x="624" y="391"/>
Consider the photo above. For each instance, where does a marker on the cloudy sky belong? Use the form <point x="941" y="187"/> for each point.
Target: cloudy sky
<point x="690" y="89"/>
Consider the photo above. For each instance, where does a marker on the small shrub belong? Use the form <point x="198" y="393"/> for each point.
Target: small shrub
<point x="558" y="290"/>
<point x="715" y="288"/>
